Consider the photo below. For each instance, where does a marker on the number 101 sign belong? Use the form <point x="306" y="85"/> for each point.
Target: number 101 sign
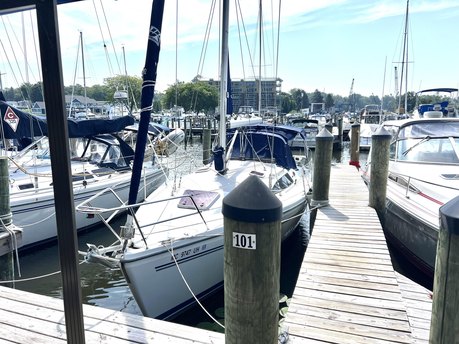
<point x="246" y="241"/>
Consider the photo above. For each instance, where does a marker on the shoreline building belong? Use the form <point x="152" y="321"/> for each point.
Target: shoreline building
<point x="244" y="93"/>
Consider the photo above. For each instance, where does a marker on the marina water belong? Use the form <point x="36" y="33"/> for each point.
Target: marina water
<point x="107" y="288"/>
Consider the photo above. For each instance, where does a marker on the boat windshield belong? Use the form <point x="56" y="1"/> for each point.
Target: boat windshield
<point x="438" y="150"/>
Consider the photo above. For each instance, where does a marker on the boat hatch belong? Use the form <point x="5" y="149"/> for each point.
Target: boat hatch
<point x="198" y="199"/>
<point x="450" y="176"/>
<point x="81" y="176"/>
<point x="25" y="186"/>
<point x="102" y="171"/>
<point x="257" y="173"/>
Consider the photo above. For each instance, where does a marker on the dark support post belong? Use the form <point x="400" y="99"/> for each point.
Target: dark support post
<point x="6" y="257"/>
<point x="185" y="131"/>
<point x="445" y="316"/>
<point x="340" y="132"/>
<point x="322" y="168"/>
<point x="53" y="88"/>
<point x="5" y="211"/>
<point x="206" y="145"/>
<point x="379" y="171"/>
<point x="252" y="232"/>
<point x="355" y="145"/>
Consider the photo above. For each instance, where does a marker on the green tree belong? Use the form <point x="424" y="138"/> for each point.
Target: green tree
<point x="99" y="92"/>
<point x="192" y="96"/>
<point x="300" y="98"/>
<point x="287" y="102"/>
<point x="329" y="102"/>
<point x="317" y="97"/>
<point x="133" y="84"/>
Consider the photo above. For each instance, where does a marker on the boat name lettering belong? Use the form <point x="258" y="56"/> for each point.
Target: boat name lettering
<point x="189" y="252"/>
<point x="245" y="241"/>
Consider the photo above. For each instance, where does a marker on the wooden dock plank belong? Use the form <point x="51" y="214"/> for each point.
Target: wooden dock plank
<point x="347" y="291"/>
<point x="40" y="319"/>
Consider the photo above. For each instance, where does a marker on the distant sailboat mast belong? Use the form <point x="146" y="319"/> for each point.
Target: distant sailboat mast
<point x="404" y="62"/>
<point x="259" y="58"/>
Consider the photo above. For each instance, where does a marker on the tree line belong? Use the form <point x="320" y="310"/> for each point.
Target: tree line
<point x="199" y="96"/>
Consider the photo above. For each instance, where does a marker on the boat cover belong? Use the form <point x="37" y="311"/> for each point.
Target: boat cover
<point x="21" y="125"/>
<point x="263" y="144"/>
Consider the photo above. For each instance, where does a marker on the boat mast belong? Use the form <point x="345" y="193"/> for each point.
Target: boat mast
<point x="259" y="59"/>
<point x="84" y="74"/>
<point x="404" y="62"/>
<point x="146" y="98"/>
<point x="224" y="73"/>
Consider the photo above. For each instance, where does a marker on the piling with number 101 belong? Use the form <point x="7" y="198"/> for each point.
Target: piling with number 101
<point x="252" y="233"/>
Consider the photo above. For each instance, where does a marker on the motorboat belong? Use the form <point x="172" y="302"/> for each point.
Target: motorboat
<point x="311" y="128"/>
<point x="423" y="175"/>
<point x="438" y="107"/>
<point x="245" y="116"/>
<point x="370" y="119"/>
<point x="101" y="163"/>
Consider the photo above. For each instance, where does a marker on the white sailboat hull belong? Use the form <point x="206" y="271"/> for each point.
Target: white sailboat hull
<point x="152" y="273"/>
<point x="34" y="211"/>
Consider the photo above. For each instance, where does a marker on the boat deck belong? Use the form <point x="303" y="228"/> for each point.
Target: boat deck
<point x="347" y="290"/>
<point x="32" y="318"/>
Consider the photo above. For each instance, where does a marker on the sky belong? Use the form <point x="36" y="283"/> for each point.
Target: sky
<point x="329" y="45"/>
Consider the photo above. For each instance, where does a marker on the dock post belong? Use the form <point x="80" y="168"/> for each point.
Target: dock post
<point x="5" y="211"/>
<point x="445" y="303"/>
<point x="322" y="168"/>
<point x="10" y="235"/>
<point x="379" y="171"/>
<point x="252" y="239"/>
<point x="185" y="131"/>
<point x="329" y="127"/>
<point x="355" y="145"/>
<point x="340" y="132"/>
<point x="206" y="145"/>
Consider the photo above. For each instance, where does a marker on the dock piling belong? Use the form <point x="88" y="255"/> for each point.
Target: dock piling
<point x="252" y="239"/>
<point x="445" y="318"/>
<point x="322" y="165"/>
<point x="206" y="145"/>
<point x="355" y="145"/>
<point x="380" y="141"/>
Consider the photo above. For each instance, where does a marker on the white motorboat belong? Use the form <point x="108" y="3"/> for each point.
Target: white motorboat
<point x="311" y="128"/>
<point x="100" y="164"/>
<point x="423" y="175"/>
<point x="171" y="249"/>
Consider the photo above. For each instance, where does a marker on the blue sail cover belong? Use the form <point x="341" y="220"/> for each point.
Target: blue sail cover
<point x="91" y="127"/>
<point x="288" y="132"/>
<point x="20" y="125"/>
<point x="146" y="98"/>
<point x="264" y="142"/>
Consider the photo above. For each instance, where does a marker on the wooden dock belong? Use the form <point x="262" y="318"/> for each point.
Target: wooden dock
<point x="9" y="241"/>
<point x="348" y="291"/>
<point x="32" y="318"/>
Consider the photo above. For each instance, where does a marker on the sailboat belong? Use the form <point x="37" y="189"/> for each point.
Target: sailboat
<point x="171" y="249"/>
<point x="84" y="113"/>
<point x="100" y="165"/>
